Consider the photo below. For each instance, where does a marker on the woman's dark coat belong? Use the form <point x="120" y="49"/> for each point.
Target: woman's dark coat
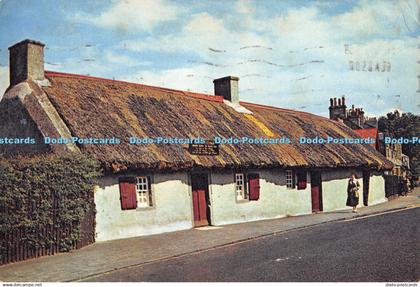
<point x="353" y="193"/>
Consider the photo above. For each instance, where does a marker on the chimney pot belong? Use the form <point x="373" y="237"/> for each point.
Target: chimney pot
<point x="331" y="102"/>
<point x="228" y="88"/>
<point x="335" y="102"/>
<point x="26" y="61"/>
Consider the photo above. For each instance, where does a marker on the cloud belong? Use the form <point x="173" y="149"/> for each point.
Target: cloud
<point x="302" y="28"/>
<point x="305" y="63"/>
<point x="244" y="7"/>
<point x="359" y="22"/>
<point x="201" y="32"/>
<point x="296" y="59"/>
<point x="4" y="79"/>
<point x="197" y="78"/>
<point x="123" y="60"/>
<point x="379" y="18"/>
<point x="134" y="15"/>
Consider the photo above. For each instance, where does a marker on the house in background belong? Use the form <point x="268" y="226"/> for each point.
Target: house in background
<point x="367" y="127"/>
<point x="393" y="152"/>
<point x="353" y="117"/>
<point x="154" y="188"/>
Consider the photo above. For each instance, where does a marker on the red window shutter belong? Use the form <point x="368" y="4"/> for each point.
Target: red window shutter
<point x="301" y="179"/>
<point x="128" y="195"/>
<point x="302" y="185"/>
<point x="254" y="186"/>
<point x="149" y="186"/>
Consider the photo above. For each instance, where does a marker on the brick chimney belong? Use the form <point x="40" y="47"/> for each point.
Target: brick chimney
<point x="338" y="108"/>
<point x="228" y="88"/>
<point x="26" y="61"/>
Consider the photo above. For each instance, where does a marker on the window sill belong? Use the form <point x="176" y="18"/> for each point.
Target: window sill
<point x="242" y="200"/>
<point x="145" y="208"/>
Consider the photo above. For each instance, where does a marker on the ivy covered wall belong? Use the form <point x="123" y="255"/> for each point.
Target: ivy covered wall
<point x="44" y="201"/>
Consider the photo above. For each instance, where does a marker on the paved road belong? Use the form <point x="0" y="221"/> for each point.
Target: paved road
<point x="378" y="248"/>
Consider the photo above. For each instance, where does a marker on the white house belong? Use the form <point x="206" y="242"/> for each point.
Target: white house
<point x="158" y="187"/>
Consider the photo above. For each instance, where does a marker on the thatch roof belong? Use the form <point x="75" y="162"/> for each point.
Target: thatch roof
<point x="94" y="107"/>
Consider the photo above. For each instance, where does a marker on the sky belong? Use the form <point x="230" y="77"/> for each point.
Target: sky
<point x="290" y="54"/>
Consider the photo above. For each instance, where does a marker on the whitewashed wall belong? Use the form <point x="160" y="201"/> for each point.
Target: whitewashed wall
<point x="275" y="199"/>
<point x="334" y="189"/>
<point x="172" y="209"/>
<point x="376" y="189"/>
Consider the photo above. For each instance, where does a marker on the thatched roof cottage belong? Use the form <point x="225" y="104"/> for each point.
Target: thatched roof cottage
<point x="158" y="187"/>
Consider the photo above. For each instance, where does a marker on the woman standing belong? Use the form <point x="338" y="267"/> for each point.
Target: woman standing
<point x="353" y="192"/>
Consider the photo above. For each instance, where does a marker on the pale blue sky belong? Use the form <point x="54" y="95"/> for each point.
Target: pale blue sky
<point x="290" y="54"/>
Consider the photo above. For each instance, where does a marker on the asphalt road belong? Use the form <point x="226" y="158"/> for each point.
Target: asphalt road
<point x="377" y="248"/>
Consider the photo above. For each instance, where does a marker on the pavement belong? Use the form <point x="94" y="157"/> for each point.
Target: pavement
<point x="104" y="257"/>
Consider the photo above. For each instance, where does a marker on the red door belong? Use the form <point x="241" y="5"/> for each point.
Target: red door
<point x="254" y="186"/>
<point x="316" y="191"/>
<point x="315" y="198"/>
<point x="200" y="197"/>
<point x="200" y="208"/>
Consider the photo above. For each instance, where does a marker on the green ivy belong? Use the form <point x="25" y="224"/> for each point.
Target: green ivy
<point x="27" y="188"/>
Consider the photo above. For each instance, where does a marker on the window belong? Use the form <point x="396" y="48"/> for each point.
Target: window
<point x="143" y="192"/>
<point x="135" y="192"/>
<point x="240" y="186"/>
<point x="290" y="179"/>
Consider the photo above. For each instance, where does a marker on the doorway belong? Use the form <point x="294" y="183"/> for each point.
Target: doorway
<point x="316" y="191"/>
<point x="366" y="179"/>
<point x="201" y="199"/>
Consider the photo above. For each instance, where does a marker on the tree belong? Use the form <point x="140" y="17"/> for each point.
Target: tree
<point x="406" y="125"/>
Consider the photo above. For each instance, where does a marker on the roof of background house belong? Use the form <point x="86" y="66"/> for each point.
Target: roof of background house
<point x="367" y="124"/>
<point x="95" y="107"/>
<point x="368" y="133"/>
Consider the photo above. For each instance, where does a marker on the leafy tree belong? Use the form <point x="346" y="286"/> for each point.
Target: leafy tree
<point x="405" y="125"/>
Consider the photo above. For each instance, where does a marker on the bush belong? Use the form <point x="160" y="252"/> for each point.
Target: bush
<point x="45" y="191"/>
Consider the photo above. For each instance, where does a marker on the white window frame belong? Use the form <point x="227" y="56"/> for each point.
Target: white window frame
<point x="240" y="187"/>
<point x="143" y="192"/>
<point x="290" y="179"/>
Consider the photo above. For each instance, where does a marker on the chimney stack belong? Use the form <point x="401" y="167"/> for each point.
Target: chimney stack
<point x="337" y="108"/>
<point x="228" y="88"/>
<point x="26" y="61"/>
